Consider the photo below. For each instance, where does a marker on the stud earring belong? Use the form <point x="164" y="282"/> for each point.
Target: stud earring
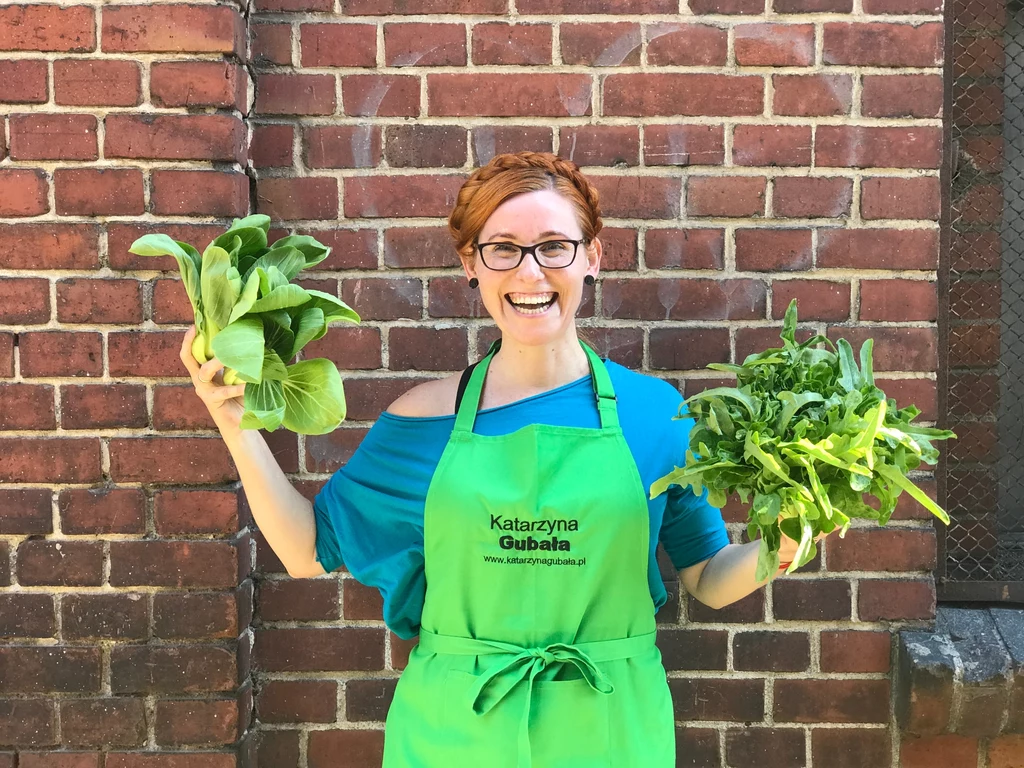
<point x="473" y="282"/>
<point x="589" y="280"/>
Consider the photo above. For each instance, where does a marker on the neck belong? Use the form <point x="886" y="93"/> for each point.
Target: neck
<point x="540" y="368"/>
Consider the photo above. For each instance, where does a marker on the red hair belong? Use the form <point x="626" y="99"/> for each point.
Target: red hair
<point x="516" y="173"/>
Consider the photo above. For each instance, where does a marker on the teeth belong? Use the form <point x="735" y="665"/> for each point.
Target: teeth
<point x="542" y="298"/>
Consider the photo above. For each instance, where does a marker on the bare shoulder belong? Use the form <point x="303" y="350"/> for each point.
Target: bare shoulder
<point x="431" y="398"/>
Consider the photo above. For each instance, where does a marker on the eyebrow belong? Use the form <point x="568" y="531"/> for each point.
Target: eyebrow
<point x="550" y="232"/>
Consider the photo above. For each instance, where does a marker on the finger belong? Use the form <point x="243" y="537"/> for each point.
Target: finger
<point x="208" y="371"/>
<point x="186" y="351"/>
<point x="220" y="394"/>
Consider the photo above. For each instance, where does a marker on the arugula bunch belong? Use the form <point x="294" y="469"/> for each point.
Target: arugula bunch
<point x="254" y="320"/>
<point x="806" y="434"/>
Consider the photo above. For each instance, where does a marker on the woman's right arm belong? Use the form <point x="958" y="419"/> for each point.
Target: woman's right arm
<point x="284" y="516"/>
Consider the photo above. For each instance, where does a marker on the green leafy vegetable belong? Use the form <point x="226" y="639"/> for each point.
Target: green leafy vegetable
<point x="808" y="435"/>
<point x="254" y="320"/>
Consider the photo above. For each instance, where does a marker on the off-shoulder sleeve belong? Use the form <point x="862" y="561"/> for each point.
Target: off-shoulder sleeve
<point x="369" y="514"/>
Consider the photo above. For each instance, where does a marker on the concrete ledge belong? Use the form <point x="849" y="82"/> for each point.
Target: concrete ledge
<point x="966" y="677"/>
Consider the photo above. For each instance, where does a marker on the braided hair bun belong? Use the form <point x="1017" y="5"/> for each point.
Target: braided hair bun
<point x="515" y="173"/>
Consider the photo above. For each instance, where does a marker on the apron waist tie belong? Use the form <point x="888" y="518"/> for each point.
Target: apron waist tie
<point x="497" y="682"/>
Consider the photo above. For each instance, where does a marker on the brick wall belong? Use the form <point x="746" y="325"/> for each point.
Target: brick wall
<point x="746" y="154"/>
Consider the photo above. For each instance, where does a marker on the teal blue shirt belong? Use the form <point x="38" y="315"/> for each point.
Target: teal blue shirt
<point x="369" y="514"/>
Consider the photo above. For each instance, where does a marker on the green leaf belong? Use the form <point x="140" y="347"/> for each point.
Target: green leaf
<point x="767" y="561"/>
<point x="285" y="296"/>
<point x="246" y="299"/>
<point x="264" y="405"/>
<point x="750" y="403"/>
<point x="791" y="403"/>
<point x="313" y="252"/>
<point x="866" y="365"/>
<point x="215" y="287"/>
<point x="332" y="307"/>
<point x="288" y="260"/>
<point x="240" y="346"/>
<point x="308" y="325"/>
<point x="256" y="220"/>
<point x="314" y="398"/>
<point x="850" y="377"/>
<point x="250" y="240"/>
<point x="789" y="324"/>
<point x="895" y="477"/>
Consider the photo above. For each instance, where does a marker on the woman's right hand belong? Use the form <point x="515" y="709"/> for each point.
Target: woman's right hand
<point x="225" y="403"/>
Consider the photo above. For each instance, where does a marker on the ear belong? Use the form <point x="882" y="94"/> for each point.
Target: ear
<point x="468" y="266"/>
<point x="594" y="252"/>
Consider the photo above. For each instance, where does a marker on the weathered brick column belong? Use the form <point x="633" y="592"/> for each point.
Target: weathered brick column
<point x="127" y="597"/>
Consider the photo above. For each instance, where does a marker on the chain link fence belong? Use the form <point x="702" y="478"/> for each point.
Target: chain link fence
<point x="984" y="304"/>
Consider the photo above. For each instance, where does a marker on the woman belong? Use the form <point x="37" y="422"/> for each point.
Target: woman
<point x="504" y="515"/>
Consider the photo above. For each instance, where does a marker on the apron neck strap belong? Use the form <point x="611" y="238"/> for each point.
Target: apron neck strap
<point x="604" y="392"/>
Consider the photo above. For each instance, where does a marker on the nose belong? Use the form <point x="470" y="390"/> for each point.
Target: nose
<point x="529" y="268"/>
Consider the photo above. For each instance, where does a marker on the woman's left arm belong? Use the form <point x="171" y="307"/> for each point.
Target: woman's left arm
<point x="729" y="575"/>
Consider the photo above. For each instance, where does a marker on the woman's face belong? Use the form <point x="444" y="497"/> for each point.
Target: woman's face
<point x="511" y="297"/>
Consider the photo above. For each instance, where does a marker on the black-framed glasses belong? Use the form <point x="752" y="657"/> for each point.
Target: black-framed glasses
<point x="551" y="254"/>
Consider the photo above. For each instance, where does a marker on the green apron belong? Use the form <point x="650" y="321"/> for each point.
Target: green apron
<point x="536" y="646"/>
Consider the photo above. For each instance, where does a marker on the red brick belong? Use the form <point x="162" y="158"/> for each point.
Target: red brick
<point x="898" y="300"/>
<point x="491" y="140"/>
<point x="772" y="145"/>
<point x="381" y="95"/>
<point x="684" y="145"/>
<point x="891" y="549"/>
<point x="596" y="6"/>
<point x="855" y="651"/>
<point x="361" y="747"/>
<point x="649" y="197"/>
<point x="977" y="104"/>
<point x="686" y="45"/>
<point x="26" y="615"/>
<point x="980" y="15"/>
<point x="102" y="510"/>
<point x="61" y="353"/>
<point x="510" y="44"/>
<point x="984" y="152"/>
<point x="980" y="204"/>
<point x="737" y="700"/>
<point x="403" y="7"/>
<point x="170" y="460"/>
<point x="683" y="299"/>
<point x="685" y="248"/>
<point x="26" y="406"/>
<point x="974" y="345"/>
<point x="902" y="96"/>
<point x="150" y="353"/>
<point x="175" y="760"/>
<point x="121" y="236"/>
<point x="350" y="248"/>
<point x="818" y="299"/>
<point x="272" y="146"/>
<point x="947" y="750"/>
<point x="749" y="747"/>
<point x="610" y="44"/>
<point x="99" y="301"/>
<point x="199" y="84"/>
<point x="91" y="82"/>
<point x="803" y="197"/>
<point x="977" y="57"/>
<point x="338" y="45"/>
<point x="424" y="45"/>
<point x="47" y="28"/>
<point x="975" y="299"/>
<point x="832" y="701"/>
<point x="171" y="669"/>
<point x="400" y="196"/>
<point x="600" y="145"/>
<point x="175" y="137"/>
<point x="452" y="297"/>
<point x="895" y="198"/>
<point x="620" y="250"/>
<point x="813" y="6"/>
<point x="195" y="615"/>
<point x="298" y="701"/>
<point x="731" y="7"/>
<point x="321" y="649"/>
<point x="272" y="43"/>
<point x="24" y="301"/>
<point x="896" y="349"/>
<point x="772" y="651"/>
<point x="878" y="44"/>
<point x="534" y="95"/>
<point x="903" y="7"/>
<point x="64" y="563"/>
<point x="683" y="94"/>
<point x="208" y="564"/>
<point x="415" y="247"/>
<point x="200" y="193"/>
<point x="118" y="722"/>
<point x="1005" y="751"/>
<point x="775" y="45"/>
<point x="384" y="298"/>
<point x="811" y="600"/>
<point x="428" y="349"/>
<point x="193" y="722"/>
<point x="687" y="349"/>
<point x="298" y="198"/>
<point x="725" y="196"/>
<point x="174" y="512"/>
<point x="23" y="192"/>
<point x="771" y="250"/>
<point x="896" y="600"/>
<point x="176" y="28"/>
<point x="56" y="760"/>
<point x="878" y="248"/>
<point x="881" y="147"/>
<point x="24" y="81"/>
<point x="299" y="600"/>
<point x="292" y="6"/>
<point x="50" y="460"/>
<point x="98" y="191"/>
<point x="426" y="146"/>
<point x="50" y="668"/>
<point x="26" y="511"/>
<point x="812" y="95"/>
<point x="361" y="603"/>
<point x="295" y="94"/>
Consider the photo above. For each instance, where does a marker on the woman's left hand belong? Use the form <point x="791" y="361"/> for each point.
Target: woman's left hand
<point x="788" y="547"/>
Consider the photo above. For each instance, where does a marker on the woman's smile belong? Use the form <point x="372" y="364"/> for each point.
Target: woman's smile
<point x="532" y="304"/>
